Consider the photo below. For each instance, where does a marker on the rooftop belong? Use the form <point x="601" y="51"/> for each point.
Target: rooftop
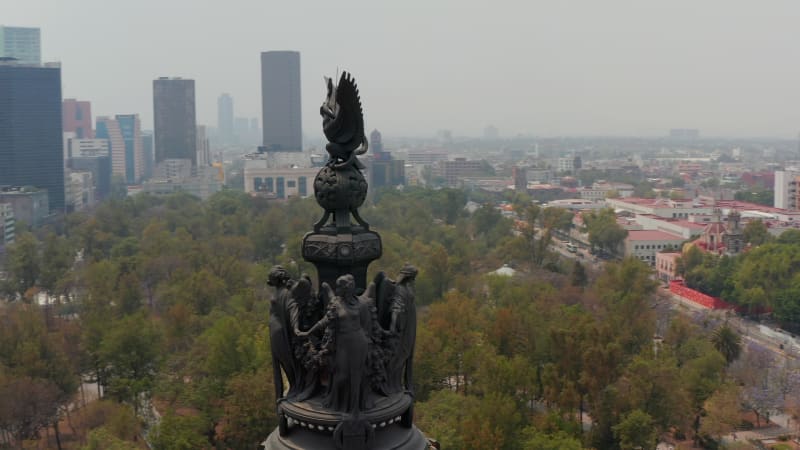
<point x="652" y="235"/>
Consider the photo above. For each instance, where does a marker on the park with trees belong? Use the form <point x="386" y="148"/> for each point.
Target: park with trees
<point x="155" y="327"/>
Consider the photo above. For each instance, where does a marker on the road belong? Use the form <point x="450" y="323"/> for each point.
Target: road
<point x="778" y="342"/>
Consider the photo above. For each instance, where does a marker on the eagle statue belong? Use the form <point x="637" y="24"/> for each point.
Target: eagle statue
<point x="343" y="123"/>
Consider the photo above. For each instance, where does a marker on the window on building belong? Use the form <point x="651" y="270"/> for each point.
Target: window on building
<point x="280" y="189"/>
<point x="302" y="186"/>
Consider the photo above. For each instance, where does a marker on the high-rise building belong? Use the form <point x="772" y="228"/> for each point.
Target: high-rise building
<point x="131" y="130"/>
<point x="108" y="128"/>
<point x="225" y="118"/>
<point x="203" y="149"/>
<point x="76" y="117"/>
<point x="22" y="44"/>
<point x="149" y="156"/>
<point x="786" y="188"/>
<point x="280" y="100"/>
<point x="31" y="140"/>
<point x="174" y="119"/>
<point x="100" y="167"/>
<point x="7" y="225"/>
<point x="382" y="169"/>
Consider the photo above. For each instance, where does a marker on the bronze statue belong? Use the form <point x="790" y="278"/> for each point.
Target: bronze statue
<point x="280" y="332"/>
<point x="403" y="323"/>
<point x="348" y="327"/>
<point x="346" y="352"/>
<point x="343" y="123"/>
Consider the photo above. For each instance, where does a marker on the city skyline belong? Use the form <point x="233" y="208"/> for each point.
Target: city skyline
<point x="590" y="68"/>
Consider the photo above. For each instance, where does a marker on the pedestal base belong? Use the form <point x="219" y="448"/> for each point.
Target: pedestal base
<point x="391" y="438"/>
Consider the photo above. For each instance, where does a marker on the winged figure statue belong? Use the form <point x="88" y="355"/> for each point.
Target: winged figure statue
<point x="343" y="122"/>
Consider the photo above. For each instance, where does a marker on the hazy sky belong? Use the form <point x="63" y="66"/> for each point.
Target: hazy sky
<point x="610" y="67"/>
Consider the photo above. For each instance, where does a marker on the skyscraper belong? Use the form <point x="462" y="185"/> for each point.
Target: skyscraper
<point x="131" y="130"/>
<point x="108" y="128"/>
<point x="23" y="44"/>
<point x="174" y="119"/>
<point x="149" y="157"/>
<point x="203" y="149"/>
<point x="77" y="118"/>
<point x="31" y="140"/>
<point x="280" y="97"/>
<point x="225" y="118"/>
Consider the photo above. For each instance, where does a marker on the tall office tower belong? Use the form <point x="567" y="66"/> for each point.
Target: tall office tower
<point x="280" y="101"/>
<point x="77" y="118"/>
<point x="108" y="128"/>
<point x="149" y="156"/>
<point x="225" y="118"/>
<point x="786" y="192"/>
<point x="31" y="140"/>
<point x="203" y="149"/>
<point x="174" y="119"/>
<point x="131" y="129"/>
<point x="22" y="44"/>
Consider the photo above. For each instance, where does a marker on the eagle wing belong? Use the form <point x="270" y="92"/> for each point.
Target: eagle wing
<point x="349" y="101"/>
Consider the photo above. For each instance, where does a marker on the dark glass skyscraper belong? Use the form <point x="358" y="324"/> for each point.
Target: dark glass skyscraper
<point x="174" y="119"/>
<point x="280" y="100"/>
<point x="31" y="140"/>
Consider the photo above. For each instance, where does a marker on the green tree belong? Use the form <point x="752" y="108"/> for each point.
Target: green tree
<point x="131" y="351"/>
<point x="604" y="231"/>
<point x="176" y="432"/>
<point x="727" y="342"/>
<point x="533" y="438"/>
<point x="56" y="259"/>
<point x="755" y="232"/>
<point x="23" y="263"/>
<point x="723" y="411"/>
<point x="249" y="411"/>
<point x="578" y="277"/>
<point x="441" y="417"/>
<point x="102" y="439"/>
<point x="636" y="431"/>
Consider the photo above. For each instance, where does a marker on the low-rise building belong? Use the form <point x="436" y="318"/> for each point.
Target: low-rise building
<point x="667" y="265"/>
<point x="453" y="172"/>
<point x="645" y="244"/>
<point x="30" y="204"/>
<point x="79" y="191"/>
<point x="280" y="183"/>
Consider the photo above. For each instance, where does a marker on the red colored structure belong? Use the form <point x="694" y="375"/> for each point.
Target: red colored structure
<point x="678" y="288"/>
<point x="77" y="118"/>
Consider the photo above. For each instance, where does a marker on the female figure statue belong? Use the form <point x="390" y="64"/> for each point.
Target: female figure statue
<point x="280" y="333"/>
<point x="347" y="325"/>
<point x="404" y="325"/>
